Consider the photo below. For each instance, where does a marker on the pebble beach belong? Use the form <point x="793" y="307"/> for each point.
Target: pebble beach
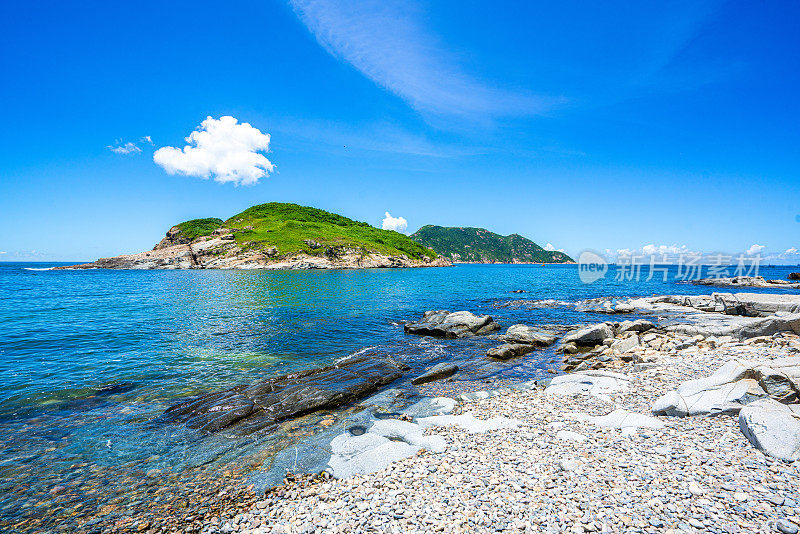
<point x="559" y="472"/>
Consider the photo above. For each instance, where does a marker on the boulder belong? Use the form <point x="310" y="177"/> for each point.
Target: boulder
<point x="626" y="344"/>
<point x="569" y="348"/>
<point x="268" y="402"/>
<point x="437" y="372"/>
<point x="772" y="428"/>
<point x="588" y="383"/>
<point x="794" y="276"/>
<point x="639" y="325"/>
<point x="593" y="334"/>
<point x="528" y="335"/>
<point x="733" y="386"/>
<point x="509" y="350"/>
<point x="780" y="378"/>
<point x="442" y="323"/>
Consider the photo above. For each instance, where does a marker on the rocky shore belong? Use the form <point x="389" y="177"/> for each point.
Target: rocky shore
<point x="749" y="281"/>
<point x="686" y="423"/>
<point x="684" y="418"/>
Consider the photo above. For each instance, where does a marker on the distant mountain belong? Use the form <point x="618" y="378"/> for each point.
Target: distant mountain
<point x="478" y="245"/>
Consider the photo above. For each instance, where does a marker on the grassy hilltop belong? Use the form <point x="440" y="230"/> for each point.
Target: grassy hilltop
<point x="480" y="245"/>
<point x="292" y="228"/>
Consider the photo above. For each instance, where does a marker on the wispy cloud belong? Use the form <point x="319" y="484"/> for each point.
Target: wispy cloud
<point x="388" y="43"/>
<point x="129" y="147"/>
<point x="124" y="148"/>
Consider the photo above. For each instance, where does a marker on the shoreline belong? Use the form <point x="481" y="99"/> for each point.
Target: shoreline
<point x="552" y="457"/>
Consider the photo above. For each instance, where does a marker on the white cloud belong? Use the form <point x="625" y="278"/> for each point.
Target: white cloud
<point x="651" y="250"/>
<point x="387" y="41"/>
<point x="398" y="224"/>
<point x="147" y="139"/>
<point x="791" y="251"/>
<point x="551" y="248"/>
<point x="221" y="149"/>
<point x="124" y="148"/>
<point x="754" y="249"/>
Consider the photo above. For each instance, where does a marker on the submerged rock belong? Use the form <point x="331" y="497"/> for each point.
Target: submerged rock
<point x="437" y="372"/>
<point x="442" y="323"/>
<point x="509" y="350"/>
<point x="265" y="403"/>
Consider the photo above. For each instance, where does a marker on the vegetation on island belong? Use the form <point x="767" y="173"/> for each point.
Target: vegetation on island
<point x="291" y="228"/>
<point x="199" y="227"/>
<point x="468" y="244"/>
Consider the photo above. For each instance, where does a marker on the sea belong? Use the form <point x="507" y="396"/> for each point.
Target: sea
<point x="89" y="360"/>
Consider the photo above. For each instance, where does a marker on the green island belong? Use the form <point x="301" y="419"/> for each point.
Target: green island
<point x="478" y="245"/>
<point x="291" y="228"/>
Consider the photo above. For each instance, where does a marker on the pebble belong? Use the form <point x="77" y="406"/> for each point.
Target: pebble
<point x="557" y="473"/>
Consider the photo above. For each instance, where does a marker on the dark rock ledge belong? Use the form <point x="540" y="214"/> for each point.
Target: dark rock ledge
<point x="265" y="403"/>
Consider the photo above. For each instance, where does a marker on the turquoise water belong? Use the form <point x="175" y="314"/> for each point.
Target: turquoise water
<point x="89" y="358"/>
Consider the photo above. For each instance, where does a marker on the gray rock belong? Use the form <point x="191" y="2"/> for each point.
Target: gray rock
<point x="509" y="350"/>
<point x="442" y="323"/>
<point x="268" y="402"/>
<point x="639" y="325"/>
<point x="588" y="383"/>
<point x="627" y="344"/>
<point x="437" y="372"/>
<point x="569" y="348"/>
<point x="771" y="325"/>
<point x="723" y="392"/>
<point x="593" y="334"/>
<point x="786" y="527"/>
<point x="528" y="335"/>
<point x="734" y="385"/>
<point x="772" y="428"/>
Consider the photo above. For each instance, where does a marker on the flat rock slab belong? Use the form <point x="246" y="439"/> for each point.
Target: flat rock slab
<point x="268" y="402"/>
<point x="442" y="323"/>
<point x="772" y="428"/>
<point x="437" y="372"/>
<point x="588" y="383"/>
<point x="388" y="441"/>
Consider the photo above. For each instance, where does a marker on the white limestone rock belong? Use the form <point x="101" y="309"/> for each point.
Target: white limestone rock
<point x="772" y="428"/>
<point x="594" y="383"/>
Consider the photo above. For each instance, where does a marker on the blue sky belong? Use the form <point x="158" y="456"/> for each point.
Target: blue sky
<point x="586" y="125"/>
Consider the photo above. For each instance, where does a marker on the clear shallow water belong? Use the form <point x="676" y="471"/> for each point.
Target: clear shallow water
<point x="89" y="358"/>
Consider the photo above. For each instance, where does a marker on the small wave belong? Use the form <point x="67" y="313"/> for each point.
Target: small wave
<point x="38" y="268"/>
<point x="356" y="354"/>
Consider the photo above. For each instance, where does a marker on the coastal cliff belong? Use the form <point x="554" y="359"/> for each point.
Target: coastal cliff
<point x="276" y="236"/>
